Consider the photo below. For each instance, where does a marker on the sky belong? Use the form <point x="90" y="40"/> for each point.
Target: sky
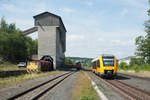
<point x="94" y="27"/>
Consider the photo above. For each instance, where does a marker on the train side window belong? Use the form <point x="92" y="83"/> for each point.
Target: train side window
<point x="98" y="63"/>
<point x="94" y="65"/>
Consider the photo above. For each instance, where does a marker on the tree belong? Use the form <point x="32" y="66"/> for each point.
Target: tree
<point x="67" y="60"/>
<point x="135" y="61"/>
<point x="143" y="43"/>
<point x="14" y="46"/>
<point x="123" y="65"/>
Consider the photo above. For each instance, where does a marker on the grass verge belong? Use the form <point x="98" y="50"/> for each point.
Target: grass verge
<point x="9" y="67"/>
<point x="135" y="67"/>
<point x="5" y="81"/>
<point x="83" y="89"/>
<point x="11" y="74"/>
<point x="133" y="72"/>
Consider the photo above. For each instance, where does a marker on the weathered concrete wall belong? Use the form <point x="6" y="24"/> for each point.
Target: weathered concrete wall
<point x="47" y="42"/>
<point x="59" y="47"/>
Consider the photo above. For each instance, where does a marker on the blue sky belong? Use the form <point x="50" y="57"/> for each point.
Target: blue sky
<point x="93" y="27"/>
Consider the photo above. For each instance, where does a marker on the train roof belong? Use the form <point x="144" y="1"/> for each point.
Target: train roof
<point x="95" y="59"/>
<point x="107" y="55"/>
<point x="103" y="55"/>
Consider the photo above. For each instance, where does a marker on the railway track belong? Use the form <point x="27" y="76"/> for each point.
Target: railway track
<point x="38" y="91"/>
<point x="127" y="91"/>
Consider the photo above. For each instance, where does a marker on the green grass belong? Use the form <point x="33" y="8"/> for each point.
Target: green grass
<point x="87" y="97"/>
<point x="7" y="66"/>
<point x="136" y="68"/>
<point x="20" y="78"/>
<point x="83" y="88"/>
<point x="11" y="74"/>
<point x="91" y="95"/>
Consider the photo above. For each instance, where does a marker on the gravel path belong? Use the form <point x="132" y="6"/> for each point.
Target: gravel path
<point x="136" y="82"/>
<point x="108" y="92"/>
<point x="62" y="91"/>
<point x="17" y="88"/>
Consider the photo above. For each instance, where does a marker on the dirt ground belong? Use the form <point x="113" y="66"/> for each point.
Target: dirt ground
<point x="141" y="74"/>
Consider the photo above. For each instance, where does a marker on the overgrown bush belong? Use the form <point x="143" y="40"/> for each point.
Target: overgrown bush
<point x="124" y="66"/>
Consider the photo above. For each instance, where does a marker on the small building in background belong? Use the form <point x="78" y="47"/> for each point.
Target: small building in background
<point x="126" y="59"/>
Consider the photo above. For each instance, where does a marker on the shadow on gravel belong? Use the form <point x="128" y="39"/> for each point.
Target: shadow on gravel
<point x="5" y="74"/>
<point x="86" y="70"/>
<point x="119" y="77"/>
<point x="66" y="69"/>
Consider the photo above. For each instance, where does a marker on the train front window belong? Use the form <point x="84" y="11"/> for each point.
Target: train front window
<point x="108" y="61"/>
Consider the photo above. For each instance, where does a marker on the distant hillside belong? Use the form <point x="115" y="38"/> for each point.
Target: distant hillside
<point x="86" y="62"/>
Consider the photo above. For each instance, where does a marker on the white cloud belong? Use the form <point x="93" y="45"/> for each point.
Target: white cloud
<point x="123" y="42"/>
<point x="67" y="10"/>
<point x="22" y="9"/>
<point x="39" y="8"/>
<point x="136" y="3"/>
<point x="75" y="37"/>
<point x="89" y="3"/>
<point x="100" y="39"/>
<point x="94" y="42"/>
<point x="12" y="8"/>
<point x="23" y="24"/>
<point x="124" y="12"/>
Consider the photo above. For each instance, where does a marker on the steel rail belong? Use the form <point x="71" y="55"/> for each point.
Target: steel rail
<point x="51" y="87"/>
<point x="35" y="87"/>
<point x="129" y="92"/>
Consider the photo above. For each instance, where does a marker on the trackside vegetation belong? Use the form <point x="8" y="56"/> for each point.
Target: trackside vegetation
<point x="137" y="68"/>
<point x="14" y="46"/>
<point x="83" y="89"/>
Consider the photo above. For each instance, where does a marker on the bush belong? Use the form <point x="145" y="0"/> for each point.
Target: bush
<point x="135" y="67"/>
<point x="124" y="66"/>
<point x="136" y="61"/>
<point x="67" y="61"/>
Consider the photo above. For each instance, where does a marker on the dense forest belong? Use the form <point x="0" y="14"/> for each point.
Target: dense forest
<point x="14" y="46"/>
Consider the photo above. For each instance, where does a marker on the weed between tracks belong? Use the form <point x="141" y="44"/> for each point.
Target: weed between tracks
<point x="83" y="89"/>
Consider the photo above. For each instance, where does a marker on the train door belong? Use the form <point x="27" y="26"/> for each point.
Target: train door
<point x="94" y="66"/>
<point x="101" y="64"/>
<point x="115" y="64"/>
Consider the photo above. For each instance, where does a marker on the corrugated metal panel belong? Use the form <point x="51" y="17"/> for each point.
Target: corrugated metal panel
<point x="47" y="20"/>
